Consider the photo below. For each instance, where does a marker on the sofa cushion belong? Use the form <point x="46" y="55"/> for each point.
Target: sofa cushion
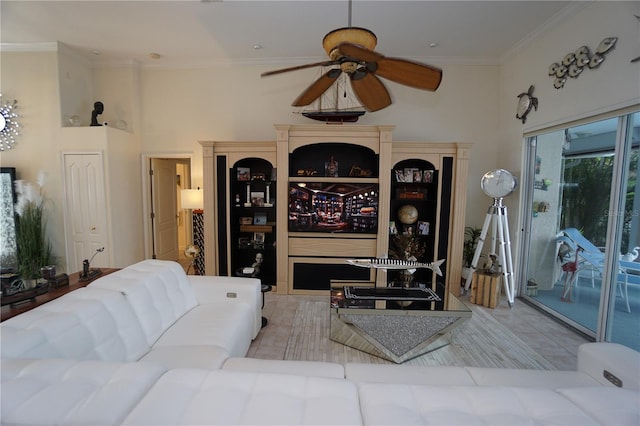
<point x="214" y="289"/>
<point x="227" y="325"/>
<point x="190" y="397"/>
<point x="279" y="366"/>
<point x="609" y="406"/>
<point x="86" y="323"/>
<point x="158" y="291"/>
<point x="407" y="374"/>
<point x="192" y="356"/>
<point x="67" y="392"/>
<point x="529" y="378"/>
<point x="385" y="404"/>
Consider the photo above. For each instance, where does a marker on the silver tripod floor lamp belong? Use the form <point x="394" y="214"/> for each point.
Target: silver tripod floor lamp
<point x="497" y="184"/>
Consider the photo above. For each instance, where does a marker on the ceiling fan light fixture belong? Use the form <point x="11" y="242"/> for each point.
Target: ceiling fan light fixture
<point x="353" y="50"/>
<point x="355" y="35"/>
<point x="348" y="67"/>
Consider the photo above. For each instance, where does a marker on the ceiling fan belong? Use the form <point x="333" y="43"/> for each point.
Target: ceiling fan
<point x="351" y="51"/>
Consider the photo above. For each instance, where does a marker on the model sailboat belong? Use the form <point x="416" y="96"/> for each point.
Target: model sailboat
<point x="336" y="106"/>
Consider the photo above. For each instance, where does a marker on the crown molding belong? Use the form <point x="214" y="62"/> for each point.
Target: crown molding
<point x="276" y="62"/>
<point x="49" y="46"/>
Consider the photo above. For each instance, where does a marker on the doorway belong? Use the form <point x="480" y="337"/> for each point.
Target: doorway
<point x="582" y="227"/>
<point x="167" y="227"/>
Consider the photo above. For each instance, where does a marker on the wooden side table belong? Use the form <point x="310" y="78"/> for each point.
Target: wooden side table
<point x="9" y="311"/>
<point x="485" y="289"/>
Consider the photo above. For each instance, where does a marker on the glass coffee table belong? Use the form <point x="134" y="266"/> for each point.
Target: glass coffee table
<point x="393" y="323"/>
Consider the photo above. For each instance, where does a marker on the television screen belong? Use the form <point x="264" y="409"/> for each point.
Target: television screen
<point x="333" y="207"/>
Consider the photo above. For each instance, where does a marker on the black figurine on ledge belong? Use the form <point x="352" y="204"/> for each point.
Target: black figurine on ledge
<point x="88" y="273"/>
<point x="98" y="108"/>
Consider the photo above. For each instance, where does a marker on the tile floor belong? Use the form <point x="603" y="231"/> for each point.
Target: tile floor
<point x="557" y="343"/>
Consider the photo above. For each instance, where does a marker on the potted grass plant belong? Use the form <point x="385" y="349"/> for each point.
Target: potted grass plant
<point x="34" y="248"/>
<point x="471" y="237"/>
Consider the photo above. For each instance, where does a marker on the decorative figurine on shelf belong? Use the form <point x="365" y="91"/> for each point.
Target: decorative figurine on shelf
<point x="89" y="273"/>
<point x="256" y="265"/>
<point x="254" y="269"/>
<point x="331" y="168"/>
<point x="491" y="266"/>
<point x="98" y="108"/>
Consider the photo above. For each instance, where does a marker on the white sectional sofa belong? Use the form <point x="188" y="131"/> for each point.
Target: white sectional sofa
<point x="149" y="345"/>
<point x="150" y="311"/>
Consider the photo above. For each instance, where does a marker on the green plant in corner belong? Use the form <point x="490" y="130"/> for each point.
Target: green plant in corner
<point x="34" y="248"/>
<point x="471" y="237"/>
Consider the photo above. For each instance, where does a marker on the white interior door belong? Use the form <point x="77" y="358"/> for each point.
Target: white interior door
<point x="164" y="215"/>
<point x="86" y="210"/>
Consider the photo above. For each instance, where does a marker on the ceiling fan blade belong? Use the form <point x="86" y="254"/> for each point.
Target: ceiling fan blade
<point x="409" y="73"/>
<point x="370" y="90"/>
<point x="299" y="67"/>
<point x="403" y="71"/>
<point x="317" y="88"/>
<point x="358" y="52"/>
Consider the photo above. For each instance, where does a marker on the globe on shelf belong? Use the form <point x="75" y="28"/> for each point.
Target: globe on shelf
<point x="408" y="214"/>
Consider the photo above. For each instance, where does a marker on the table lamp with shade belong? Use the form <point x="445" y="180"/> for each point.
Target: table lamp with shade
<point x="192" y="199"/>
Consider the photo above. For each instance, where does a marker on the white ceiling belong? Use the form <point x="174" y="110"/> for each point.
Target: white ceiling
<point x="201" y="32"/>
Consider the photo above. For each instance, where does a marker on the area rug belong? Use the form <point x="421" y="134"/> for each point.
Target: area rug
<point x="480" y="342"/>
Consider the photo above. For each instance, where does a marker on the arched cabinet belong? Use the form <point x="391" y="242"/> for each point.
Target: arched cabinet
<point x="252" y="219"/>
<point x="240" y="207"/>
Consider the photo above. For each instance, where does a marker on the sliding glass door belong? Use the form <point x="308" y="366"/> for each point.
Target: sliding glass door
<point x="580" y="247"/>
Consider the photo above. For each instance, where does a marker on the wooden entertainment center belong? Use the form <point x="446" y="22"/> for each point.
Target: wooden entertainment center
<point x="320" y="194"/>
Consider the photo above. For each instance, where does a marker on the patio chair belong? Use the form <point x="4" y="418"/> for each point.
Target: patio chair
<point x="629" y="275"/>
<point x="593" y="261"/>
<point x="581" y="241"/>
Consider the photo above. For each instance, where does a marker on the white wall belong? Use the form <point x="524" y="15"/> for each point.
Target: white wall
<point x="32" y="79"/>
<point x="615" y="84"/>
<point x="76" y="87"/>
<point x="118" y="88"/>
<point x="182" y="107"/>
<point x="542" y="267"/>
<point x="172" y="109"/>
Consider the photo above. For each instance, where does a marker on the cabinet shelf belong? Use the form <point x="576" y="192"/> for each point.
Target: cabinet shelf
<point x="256" y="228"/>
<point x="313" y="179"/>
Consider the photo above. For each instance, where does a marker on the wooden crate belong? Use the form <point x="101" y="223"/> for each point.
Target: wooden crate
<point x="485" y="289"/>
